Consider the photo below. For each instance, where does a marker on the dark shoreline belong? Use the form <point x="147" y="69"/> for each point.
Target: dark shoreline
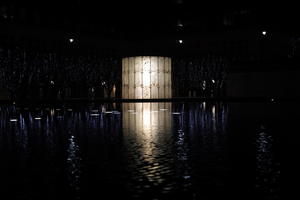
<point x="178" y="99"/>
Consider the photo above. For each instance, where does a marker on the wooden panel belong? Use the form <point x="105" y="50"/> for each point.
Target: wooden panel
<point x="131" y="78"/>
<point x="154" y="78"/>
<point x="123" y="79"/>
<point x="166" y="77"/>
<point x="126" y="78"/>
<point x="161" y="79"/>
<point x="170" y="78"/>
<point x="146" y="77"/>
<point x="138" y="77"/>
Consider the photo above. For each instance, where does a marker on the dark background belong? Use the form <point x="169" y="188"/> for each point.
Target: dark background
<point x="258" y="64"/>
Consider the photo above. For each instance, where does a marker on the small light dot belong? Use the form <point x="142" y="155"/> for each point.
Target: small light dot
<point x="180" y="41"/>
<point x="213" y="81"/>
<point x="71" y="40"/>
<point x="264" y="32"/>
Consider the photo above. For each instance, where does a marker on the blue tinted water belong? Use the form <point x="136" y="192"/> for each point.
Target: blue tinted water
<point x="202" y="150"/>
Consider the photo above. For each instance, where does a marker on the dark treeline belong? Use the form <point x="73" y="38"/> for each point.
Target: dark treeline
<point x="199" y="77"/>
<point x="39" y="75"/>
<point x="30" y="75"/>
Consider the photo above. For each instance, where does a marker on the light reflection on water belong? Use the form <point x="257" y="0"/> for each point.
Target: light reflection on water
<point x="74" y="166"/>
<point x="142" y="150"/>
<point x="162" y="138"/>
<point x="268" y="172"/>
<point x="145" y="132"/>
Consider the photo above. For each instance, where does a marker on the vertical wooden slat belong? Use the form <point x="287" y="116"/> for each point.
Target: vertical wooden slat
<point x="131" y="78"/>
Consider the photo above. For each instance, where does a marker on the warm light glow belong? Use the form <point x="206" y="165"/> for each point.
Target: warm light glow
<point x="144" y="124"/>
<point x="52" y="112"/>
<point x="146" y="77"/>
<point x="147" y="120"/>
<point x="204" y="105"/>
<point x="145" y="129"/>
<point x="213" y="110"/>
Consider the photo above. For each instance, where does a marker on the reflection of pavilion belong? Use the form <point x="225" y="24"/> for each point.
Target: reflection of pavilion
<point x="146" y="129"/>
<point x="142" y="122"/>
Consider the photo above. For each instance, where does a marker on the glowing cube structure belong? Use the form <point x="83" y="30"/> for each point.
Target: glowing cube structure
<point x="146" y="77"/>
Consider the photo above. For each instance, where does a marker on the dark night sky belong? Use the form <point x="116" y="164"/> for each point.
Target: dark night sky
<point x="151" y="18"/>
<point x="124" y="26"/>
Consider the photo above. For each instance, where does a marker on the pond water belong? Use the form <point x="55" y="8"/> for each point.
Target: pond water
<point x="205" y="150"/>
